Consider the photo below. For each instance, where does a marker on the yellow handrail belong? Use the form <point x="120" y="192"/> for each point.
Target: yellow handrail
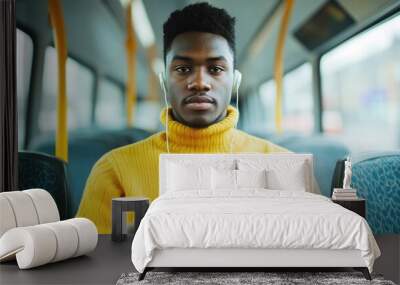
<point x="278" y="66"/>
<point x="131" y="46"/>
<point x="60" y="40"/>
<point x="152" y="84"/>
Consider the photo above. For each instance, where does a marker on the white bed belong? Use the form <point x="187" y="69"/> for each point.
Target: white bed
<point x="249" y="227"/>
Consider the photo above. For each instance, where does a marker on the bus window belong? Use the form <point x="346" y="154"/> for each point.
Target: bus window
<point x="361" y="89"/>
<point x="109" y="112"/>
<point x="80" y="81"/>
<point x="24" y="65"/>
<point x="147" y="115"/>
<point x="297" y="101"/>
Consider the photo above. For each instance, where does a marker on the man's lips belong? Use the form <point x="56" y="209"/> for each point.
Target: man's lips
<point x="199" y="102"/>
<point x="199" y="99"/>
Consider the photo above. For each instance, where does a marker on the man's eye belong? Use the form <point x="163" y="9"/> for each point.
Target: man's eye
<point x="182" y="69"/>
<point x="216" y="69"/>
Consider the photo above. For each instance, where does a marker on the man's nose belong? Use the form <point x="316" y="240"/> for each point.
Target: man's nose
<point x="199" y="82"/>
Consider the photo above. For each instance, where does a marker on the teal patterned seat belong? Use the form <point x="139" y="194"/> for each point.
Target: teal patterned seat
<point x="38" y="170"/>
<point x="376" y="176"/>
<point x="84" y="150"/>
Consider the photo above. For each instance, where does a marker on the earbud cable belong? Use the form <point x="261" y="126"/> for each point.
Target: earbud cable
<point x="237" y="108"/>
<point x="166" y="105"/>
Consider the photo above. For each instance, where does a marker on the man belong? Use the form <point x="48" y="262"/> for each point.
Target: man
<point x="199" y="55"/>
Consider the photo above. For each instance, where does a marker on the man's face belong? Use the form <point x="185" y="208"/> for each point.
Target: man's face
<point x="199" y="78"/>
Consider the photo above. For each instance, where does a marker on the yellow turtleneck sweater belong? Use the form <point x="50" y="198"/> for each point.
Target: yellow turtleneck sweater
<point x="132" y="170"/>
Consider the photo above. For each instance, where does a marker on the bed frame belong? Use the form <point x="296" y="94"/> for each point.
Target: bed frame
<point x="260" y="259"/>
<point x="248" y="259"/>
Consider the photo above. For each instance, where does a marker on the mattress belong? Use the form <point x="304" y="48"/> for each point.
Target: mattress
<point x="250" y="219"/>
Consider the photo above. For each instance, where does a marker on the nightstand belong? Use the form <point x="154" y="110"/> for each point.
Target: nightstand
<point x="122" y="205"/>
<point x="356" y="205"/>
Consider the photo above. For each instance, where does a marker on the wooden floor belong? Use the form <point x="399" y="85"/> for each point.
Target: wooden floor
<point x="389" y="262"/>
<point x="110" y="260"/>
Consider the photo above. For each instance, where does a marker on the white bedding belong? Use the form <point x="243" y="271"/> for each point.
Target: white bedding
<point x="251" y="218"/>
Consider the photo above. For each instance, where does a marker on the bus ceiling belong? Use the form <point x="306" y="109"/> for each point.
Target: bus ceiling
<point x="313" y="28"/>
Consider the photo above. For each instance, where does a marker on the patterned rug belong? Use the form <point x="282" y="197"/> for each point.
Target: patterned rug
<point x="270" y="278"/>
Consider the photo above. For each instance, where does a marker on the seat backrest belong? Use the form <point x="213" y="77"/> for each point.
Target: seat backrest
<point x="38" y="170"/>
<point x="326" y="153"/>
<point x="377" y="179"/>
<point x="84" y="150"/>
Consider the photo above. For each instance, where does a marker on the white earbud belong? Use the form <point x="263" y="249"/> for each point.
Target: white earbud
<point x="237" y="79"/>
<point x="161" y="77"/>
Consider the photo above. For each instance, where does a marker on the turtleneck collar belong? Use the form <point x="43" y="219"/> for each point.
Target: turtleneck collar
<point x="214" y="138"/>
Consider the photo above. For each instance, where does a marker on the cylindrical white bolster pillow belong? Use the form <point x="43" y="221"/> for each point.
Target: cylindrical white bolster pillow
<point x="7" y="218"/>
<point x="67" y="240"/>
<point x="45" y="205"/>
<point x="87" y="235"/>
<point x="23" y="208"/>
<point x="40" y="244"/>
<point x="26" y="208"/>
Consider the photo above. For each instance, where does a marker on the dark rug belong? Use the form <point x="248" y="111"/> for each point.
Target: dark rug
<point x="225" y="278"/>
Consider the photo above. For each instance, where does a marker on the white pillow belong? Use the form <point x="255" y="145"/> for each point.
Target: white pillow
<point x="251" y="178"/>
<point x="223" y="179"/>
<point x="293" y="179"/>
<point x="181" y="177"/>
<point x="282" y="174"/>
<point x="235" y="179"/>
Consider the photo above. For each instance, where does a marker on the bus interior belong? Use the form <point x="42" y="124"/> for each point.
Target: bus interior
<point x="324" y="80"/>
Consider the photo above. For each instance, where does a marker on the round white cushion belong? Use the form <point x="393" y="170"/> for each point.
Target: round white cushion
<point x="7" y="218"/>
<point x="26" y="208"/>
<point x="87" y="234"/>
<point x="40" y="244"/>
<point x="67" y="240"/>
<point x="23" y="208"/>
<point x="33" y="246"/>
<point x="45" y="205"/>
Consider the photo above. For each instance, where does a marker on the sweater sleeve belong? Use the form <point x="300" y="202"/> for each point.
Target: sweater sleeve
<point x="102" y="185"/>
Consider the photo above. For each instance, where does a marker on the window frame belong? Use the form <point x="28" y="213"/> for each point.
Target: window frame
<point x="85" y="64"/>
<point x="117" y="83"/>
<point x="380" y="20"/>
<point x="28" y="112"/>
<point x="292" y="68"/>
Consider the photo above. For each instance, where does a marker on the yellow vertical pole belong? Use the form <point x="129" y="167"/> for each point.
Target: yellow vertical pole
<point x="60" y="40"/>
<point x="153" y="84"/>
<point x="278" y="66"/>
<point x="130" y="45"/>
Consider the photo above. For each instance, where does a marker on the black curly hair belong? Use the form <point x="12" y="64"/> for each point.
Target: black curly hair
<point x="199" y="17"/>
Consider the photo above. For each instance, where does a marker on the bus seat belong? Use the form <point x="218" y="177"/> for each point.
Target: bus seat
<point x="82" y="157"/>
<point x="83" y="154"/>
<point x="37" y="170"/>
<point x="326" y="153"/>
<point x="277" y="138"/>
<point x="84" y="151"/>
<point x="376" y="176"/>
<point x="136" y="134"/>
